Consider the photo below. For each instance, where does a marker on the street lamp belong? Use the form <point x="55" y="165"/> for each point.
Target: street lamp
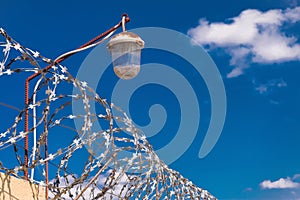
<point x="125" y="49"/>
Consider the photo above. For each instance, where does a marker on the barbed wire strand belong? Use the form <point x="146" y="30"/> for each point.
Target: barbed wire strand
<point x="117" y="162"/>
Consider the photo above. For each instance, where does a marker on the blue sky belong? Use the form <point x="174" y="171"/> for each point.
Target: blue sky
<point x="256" y="47"/>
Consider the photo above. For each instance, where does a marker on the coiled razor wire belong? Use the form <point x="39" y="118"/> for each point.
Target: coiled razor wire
<point x="101" y="170"/>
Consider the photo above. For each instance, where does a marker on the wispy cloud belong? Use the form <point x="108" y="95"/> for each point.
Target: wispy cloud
<point x="292" y="2"/>
<point x="249" y="189"/>
<point x="253" y="35"/>
<point x="268" y="87"/>
<point x="282" y="183"/>
<point x="296" y="177"/>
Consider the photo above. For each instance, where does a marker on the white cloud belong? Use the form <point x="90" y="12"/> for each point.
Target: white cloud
<point x="253" y="35"/>
<point x="293" y="14"/>
<point x="282" y="183"/>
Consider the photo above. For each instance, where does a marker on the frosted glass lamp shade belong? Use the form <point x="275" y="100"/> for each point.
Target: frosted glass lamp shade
<point x="125" y="49"/>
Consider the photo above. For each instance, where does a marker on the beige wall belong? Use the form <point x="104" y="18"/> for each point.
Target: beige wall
<point x="12" y="188"/>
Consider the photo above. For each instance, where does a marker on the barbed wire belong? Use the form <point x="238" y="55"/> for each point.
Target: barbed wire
<point x="116" y="162"/>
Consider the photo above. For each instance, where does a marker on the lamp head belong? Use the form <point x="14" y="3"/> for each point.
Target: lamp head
<point x="125" y="49"/>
